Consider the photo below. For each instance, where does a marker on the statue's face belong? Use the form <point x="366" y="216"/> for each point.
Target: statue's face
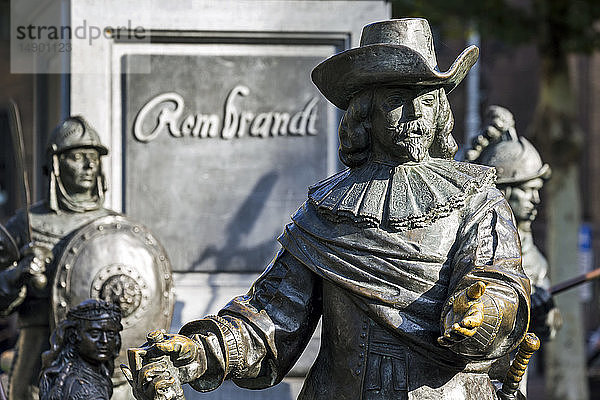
<point x="525" y="198"/>
<point x="79" y="169"/>
<point x="403" y="122"/>
<point x="99" y="340"/>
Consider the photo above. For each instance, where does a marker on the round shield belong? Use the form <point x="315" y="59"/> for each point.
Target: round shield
<point x="119" y="261"/>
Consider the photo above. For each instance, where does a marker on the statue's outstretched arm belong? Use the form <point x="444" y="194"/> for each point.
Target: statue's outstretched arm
<point x="254" y="340"/>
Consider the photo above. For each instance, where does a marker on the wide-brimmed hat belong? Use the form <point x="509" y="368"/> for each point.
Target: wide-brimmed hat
<point x="395" y="52"/>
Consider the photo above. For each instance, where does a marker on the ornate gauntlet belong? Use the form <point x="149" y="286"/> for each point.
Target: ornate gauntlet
<point x="224" y="349"/>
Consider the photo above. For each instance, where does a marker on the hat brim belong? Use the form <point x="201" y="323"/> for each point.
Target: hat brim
<point x="101" y="149"/>
<point x="342" y="76"/>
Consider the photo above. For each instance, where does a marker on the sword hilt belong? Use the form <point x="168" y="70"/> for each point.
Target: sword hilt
<point x="517" y="369"/>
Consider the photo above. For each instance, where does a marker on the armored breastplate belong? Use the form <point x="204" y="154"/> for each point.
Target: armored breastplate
<point x="51" y="230"/>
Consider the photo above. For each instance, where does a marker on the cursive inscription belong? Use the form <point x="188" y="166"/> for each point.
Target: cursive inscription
<point x="168" y="109"/>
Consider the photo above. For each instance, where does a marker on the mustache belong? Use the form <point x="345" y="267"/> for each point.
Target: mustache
<point x="412" y="136"/>
<point x="416" y="127"/>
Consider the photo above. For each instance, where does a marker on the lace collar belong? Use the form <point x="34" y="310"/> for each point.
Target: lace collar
<point x="397" y="198"/>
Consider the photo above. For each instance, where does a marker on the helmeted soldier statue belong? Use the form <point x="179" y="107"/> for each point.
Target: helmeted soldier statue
<point x="44" y="275"/>
<point x="520" y="176"/>
<point x="80" y="362"/>
<point x="411" y="258"/>
<point x="75" y="197"/>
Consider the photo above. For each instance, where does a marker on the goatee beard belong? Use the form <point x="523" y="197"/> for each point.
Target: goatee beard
<point x="415" y="149"/>
<point x="413" y="136"/>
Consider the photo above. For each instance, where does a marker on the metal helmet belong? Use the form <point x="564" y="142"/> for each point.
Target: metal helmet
<point x="74" y="132"/>
<point x="515" y="161"/>
<point x="499" y="146"/>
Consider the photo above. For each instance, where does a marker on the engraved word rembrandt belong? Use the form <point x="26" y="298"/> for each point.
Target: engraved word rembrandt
<point x="232" y="140"/>
<point x="236" y="122"/>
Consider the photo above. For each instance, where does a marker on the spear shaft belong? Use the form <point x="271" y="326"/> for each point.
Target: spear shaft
<point x="19" y="147"/>
<point x="578" y="280"/>
<point x="39" y="279"/>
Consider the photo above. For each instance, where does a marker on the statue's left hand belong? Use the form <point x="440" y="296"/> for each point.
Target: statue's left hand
<point x="157" y="370"/>
<point x="546" y="319"/>
<point x="465" y="316"/>
<point x="156" y="380"/>
<point x="32" y="266"/>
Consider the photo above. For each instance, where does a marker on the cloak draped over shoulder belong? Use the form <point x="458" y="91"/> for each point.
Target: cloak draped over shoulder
<point x="347" y="245"/>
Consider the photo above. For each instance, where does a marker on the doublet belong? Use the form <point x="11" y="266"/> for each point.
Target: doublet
<point x="381" y="279"/>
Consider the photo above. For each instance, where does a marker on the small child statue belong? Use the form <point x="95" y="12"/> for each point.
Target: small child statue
<point x="80" y="362"/>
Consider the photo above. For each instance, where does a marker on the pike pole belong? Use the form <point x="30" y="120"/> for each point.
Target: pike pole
<point x="38" y="280"/>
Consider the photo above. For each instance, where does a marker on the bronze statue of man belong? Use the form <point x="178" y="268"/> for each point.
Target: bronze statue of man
<point x="80" y="362"/>
<point x="75" y="197"/>
<point x="411" y="258"/>
<point x="520" y="176"/>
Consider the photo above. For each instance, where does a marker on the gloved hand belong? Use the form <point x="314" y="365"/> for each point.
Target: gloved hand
<point x="32" y="266"/>
<point x="465" y="316"/>
<point x="545" y="317"/>
<point x="158" y="369"/>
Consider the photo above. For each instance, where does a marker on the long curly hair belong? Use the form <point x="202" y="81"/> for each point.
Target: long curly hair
<point x="355" y="130"/>
<point x="58" y="362"/>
